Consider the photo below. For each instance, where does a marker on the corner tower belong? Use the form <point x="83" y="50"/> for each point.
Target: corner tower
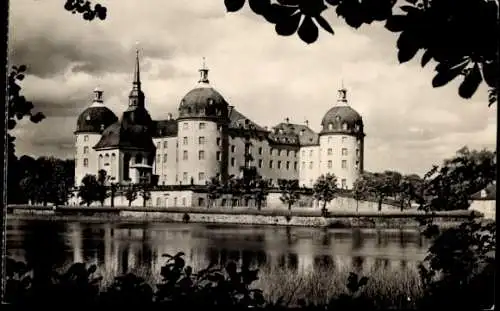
<point x="89" y="127"/>
<point x="342" y="142"/>
<point x="202" y="134"/>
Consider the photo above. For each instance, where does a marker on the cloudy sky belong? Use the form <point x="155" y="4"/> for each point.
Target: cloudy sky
<point x="410" y="126"/>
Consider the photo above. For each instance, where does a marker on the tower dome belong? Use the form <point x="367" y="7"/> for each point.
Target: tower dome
<point x="342" y="118"/>
<point x="203" y="101"/>
<point x="95" y="118"/>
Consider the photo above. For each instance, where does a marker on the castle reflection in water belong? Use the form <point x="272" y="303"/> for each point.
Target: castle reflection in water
<point x="119" y="248"/>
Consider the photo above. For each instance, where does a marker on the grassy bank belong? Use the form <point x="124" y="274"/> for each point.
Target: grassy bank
<point x="387" y="288"/>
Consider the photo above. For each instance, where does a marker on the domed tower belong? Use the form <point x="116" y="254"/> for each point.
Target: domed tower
<point x="89" y="127"/>
<point x="202" y="134"/>
<point x="342" y="142"/>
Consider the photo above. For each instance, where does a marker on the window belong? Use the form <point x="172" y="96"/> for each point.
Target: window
<point x="232" y="148"/>
<point x="185" y="126"/>
<point x="330" y="126"/>
<point x="303" y="164"/>
<point x="344" y="151"/>
<point x="287" y="165"/>
<point x="344" y="139"/>
<point x="232" y="161"/>
<point x="271" y="151"/>
<point x="310" y="165"/>
<point x="185" y="177"/>
<point x="164" y="179"/>
<point x="201" y="202"/>
<point x="165" y="144"/>
<point x="158" y="201"/>
<point x="175" y="201"/>
<point x="86" y="138"/>
<point x="295" y="165"/>
<point x="344" y="183"/>
<point x="279" y="164"/>
<point x="85" y="162"/>
<point x="288" y="153"/>
<point x="271" y="164"/>
<point x="201" y="176"/>
<point x="344" y="126"/>
<point x="219" y="128"/>
<point x="329" y="163"/>
<point x="184" y="140"/>
<point x="201" y="155"/>
<point x="85" y="149"/>
<point x="218" y="155"/>
<point x="165" y="157"/>
<point x="183" y="201"/>
<point x="260" y="150"/>
<point x="113" y="157"/>
<point x="138" y="158"/>
<point x="344" y="163"/>
<point x="201" y="140"/>
<point x="202" y="125"/>
<point x="218" y="141"/>
<point x="158" y="159"/>
<point x="357" y="152"/>
<point x="260" y="163"/>
<point x="310" y="153"/>
<point x="158" y="146"/>
<point x="330" y="151"/>
<point x="185" y="155"/>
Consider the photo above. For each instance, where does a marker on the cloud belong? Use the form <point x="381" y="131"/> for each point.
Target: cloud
<point x="409" y="125"/>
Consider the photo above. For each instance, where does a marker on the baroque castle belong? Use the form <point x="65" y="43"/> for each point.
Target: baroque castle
<point x="211" y="138"/>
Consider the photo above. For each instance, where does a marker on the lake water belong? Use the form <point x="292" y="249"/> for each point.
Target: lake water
<point x="122" y="247"/>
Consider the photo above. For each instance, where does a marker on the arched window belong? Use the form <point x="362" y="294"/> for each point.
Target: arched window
<point x="113" y="157"/>
<point x="175" y="201"/>
<point x="158" y="201"/>
<point x="138" y="158"/>
<point x="344" y="126"/>
<point x="330" y="126"/>
<point x="86" y="138"/>
<point x="183" y="201"/>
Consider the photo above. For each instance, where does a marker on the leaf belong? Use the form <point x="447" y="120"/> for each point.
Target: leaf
<point x="22" y="68"/>
<point x="308" y="31"/>
<point x="396" y="23"/>
<point x="471" y="82"/>
<point x="11" y="124"/>
<point x="363" y="281"/>
<point x="234" y="5"/>
<point x="408" y="46"/>
<point x="37" y="117"/>
<point x="490" y="73"/>
<point x="333" y="2"/>
<point x="288" y="26"/>
<point x="324" y="24"/>
<point x="259" y="6"/>
<point x="446" y="74"/>
<point x="20" y="77"/>
<point x="426" y="58"/>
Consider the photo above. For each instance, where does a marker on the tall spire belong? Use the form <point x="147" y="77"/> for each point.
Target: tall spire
<point x="342" y="93"/>
<point x="136" y="96"/>
<point x="203" y="73"/>
<point x="137" y="71"/>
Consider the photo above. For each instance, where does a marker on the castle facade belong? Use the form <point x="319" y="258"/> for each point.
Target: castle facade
<point x="210" y="138"/>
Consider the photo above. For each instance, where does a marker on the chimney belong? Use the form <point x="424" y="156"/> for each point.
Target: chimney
<point x="287" y="120"/>
<point x="169" y="116"/>
<point x="307" y="123"/>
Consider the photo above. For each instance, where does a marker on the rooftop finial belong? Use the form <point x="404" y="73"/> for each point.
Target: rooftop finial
<point x="342" y="93"/>
<point x="98" y="95"/>
<point x="204" y="72"/>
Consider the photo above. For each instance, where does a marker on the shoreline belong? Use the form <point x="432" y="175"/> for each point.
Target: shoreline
<point x="239" y="216"/>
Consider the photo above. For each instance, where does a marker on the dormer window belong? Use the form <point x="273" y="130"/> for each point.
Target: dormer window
<point x="344" y="126"/>
<point x="87" y="117"/>
<point x="337" y="118"/>
<point x="210" y="101"/>
<point x="330" y="126"/>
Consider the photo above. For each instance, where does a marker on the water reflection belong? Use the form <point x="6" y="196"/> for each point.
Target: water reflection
<point x="120" y="248"/>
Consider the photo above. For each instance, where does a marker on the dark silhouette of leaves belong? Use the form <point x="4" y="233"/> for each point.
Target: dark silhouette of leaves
<point x="324" y="24"/>
<point x="234" y="5"/>
<point x="308" y="31"/>
<point x="85" y="8"/>
<point x="471" y="82"/>
<point x="259" y="6"/>
<point x="446" y="74"/>
<point x="288" y="27"/>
